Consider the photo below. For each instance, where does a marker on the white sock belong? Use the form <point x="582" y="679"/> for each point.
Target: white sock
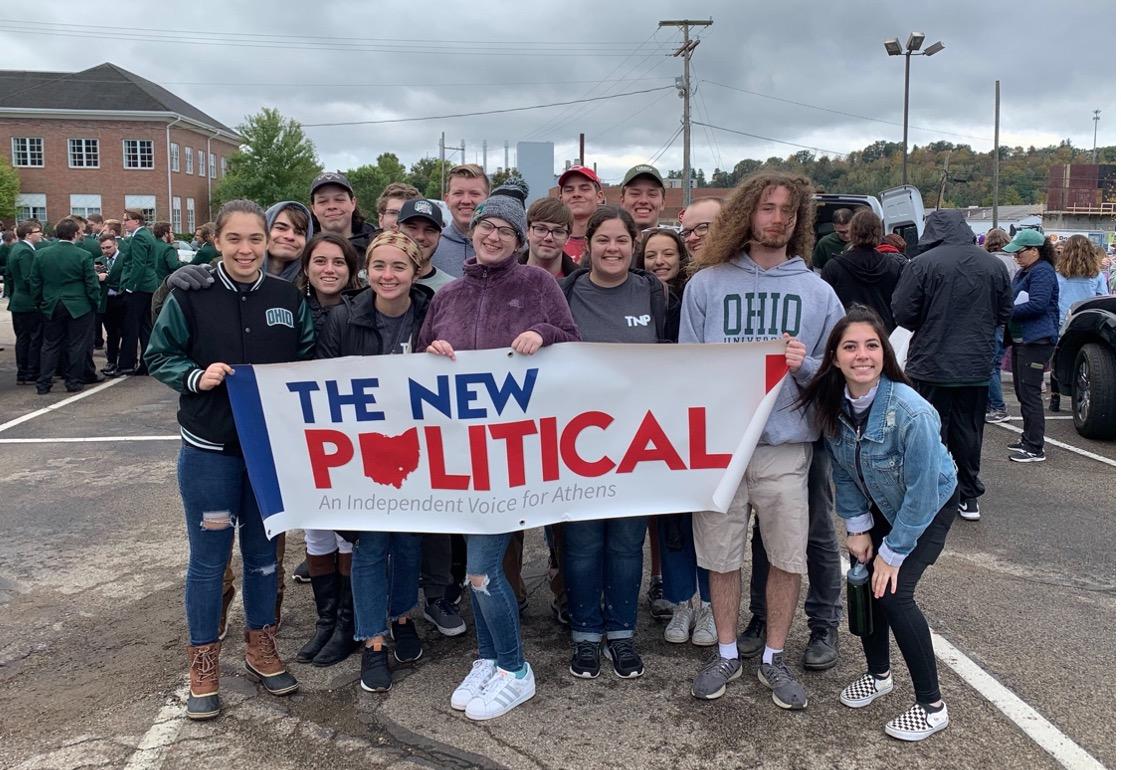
<point x="769" y="654"/>
<point x="729" y="651"/>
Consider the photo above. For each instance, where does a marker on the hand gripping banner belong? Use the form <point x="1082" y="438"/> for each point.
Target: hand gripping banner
<point x="496" y="441"/>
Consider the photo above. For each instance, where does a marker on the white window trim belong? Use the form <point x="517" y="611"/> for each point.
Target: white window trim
<point x="176" y="214"/>
<point x="83" y="139"/>
<point x="188" y="161"/>
<point x="202" y="163"/>
<point x="42" y="152"/>
<point x="174" y="157"/>
<point x="212" y="168"/>
<point x="192" y="223"/>
<point x="124" y="155"/>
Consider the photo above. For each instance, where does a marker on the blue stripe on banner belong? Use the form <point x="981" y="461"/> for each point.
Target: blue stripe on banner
<point x="245" y="398"/>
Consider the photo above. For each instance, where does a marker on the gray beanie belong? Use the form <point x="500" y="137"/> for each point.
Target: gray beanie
<point x="504" y="206"/>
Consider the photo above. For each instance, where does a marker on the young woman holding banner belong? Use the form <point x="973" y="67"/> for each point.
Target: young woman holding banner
<point x="385" y="566"/>
<point x="196" y="338"/>
<point x="897" y="492"/>
<point x="498" y="303"/>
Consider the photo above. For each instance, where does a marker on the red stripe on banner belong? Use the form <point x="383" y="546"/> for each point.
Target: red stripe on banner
<point x="776" y="370"/>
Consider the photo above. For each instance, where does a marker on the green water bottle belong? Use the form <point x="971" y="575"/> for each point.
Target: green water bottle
<point x="860" y="600"/>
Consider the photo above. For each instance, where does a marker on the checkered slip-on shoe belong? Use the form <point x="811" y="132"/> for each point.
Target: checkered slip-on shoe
<point x="916" y="723"/>
<point x="865" y="690"/>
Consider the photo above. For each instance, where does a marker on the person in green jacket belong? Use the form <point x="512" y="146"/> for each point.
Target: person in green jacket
<point x="65" y="289"/>
<point x="113" y="297"/>
<point x="167" y="260"/>
<point x="139" y="282"/>
<point x="26" y="319"/>
<point x="206" y="253"/>
<point x="837" y="241"/>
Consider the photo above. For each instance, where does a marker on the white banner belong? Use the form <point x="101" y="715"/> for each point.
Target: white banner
<point x="496" y="441"/>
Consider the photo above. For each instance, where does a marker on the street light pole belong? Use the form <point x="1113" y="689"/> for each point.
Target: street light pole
<point x="895" y="48"/>
<point x="1097" y="117"/>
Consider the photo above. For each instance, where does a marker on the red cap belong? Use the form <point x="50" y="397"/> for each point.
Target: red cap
<point x="583" y="171"/>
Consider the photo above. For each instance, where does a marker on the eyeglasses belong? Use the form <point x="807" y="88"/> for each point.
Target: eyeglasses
<point x="486" y="227"/>
<point x="700" y="229"/>
<point x="541" y="231"/>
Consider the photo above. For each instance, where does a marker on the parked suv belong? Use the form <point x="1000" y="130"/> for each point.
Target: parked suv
<point x="1083" y="364"/>
<point x="900" y="208"/>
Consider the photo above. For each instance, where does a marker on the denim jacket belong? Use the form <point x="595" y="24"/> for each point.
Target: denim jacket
<point x="905" y="471"/>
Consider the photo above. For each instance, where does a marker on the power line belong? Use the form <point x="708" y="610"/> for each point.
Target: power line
<point x="769" y="139"/>
<point x="840" y="112"/>
<point x="714" y="145"/>
<point x="481" y="112"/>
<point x="665" y="147"/>
<point x="54" y="77"/>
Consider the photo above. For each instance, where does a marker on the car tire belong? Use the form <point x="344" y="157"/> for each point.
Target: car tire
<point x="1092" y="392"/>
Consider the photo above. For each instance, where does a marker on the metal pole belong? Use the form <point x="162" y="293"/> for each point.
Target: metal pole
<point x="484" y="156"/>
<point x="906" y="107"/>
<point x="1097" y="117"/>
<point x="443" y="167"/>
<point x="581" y="148"/>
<point x="686" y="53"/>
<point x="506" y="155"/>
<point x="462" y="152"/>
<point x="996" y="157"/>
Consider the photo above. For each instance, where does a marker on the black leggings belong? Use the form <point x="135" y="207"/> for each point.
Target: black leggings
<point x="899" y="613"/>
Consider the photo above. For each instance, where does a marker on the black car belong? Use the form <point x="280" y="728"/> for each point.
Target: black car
<point x="1083" y="364"/>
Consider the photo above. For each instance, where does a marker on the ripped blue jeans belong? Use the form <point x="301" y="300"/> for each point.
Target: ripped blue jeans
<point x="497" y="623"/>
<point x="218" y="500"/>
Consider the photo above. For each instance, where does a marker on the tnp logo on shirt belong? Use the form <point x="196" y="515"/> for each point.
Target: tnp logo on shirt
<point x="280" y="316"/>
<point x="633" y="321"/>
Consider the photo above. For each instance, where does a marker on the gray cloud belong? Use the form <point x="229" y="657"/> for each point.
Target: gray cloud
<point x="830" y="55"/>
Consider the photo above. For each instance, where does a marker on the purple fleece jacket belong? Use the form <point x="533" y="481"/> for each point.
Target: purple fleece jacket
<point x="492" y="304"/>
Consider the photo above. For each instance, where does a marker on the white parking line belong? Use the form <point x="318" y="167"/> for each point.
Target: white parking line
<point x="1061" y="445"/>
<point x="60" y="404"/>
<point x="86" y="439"/>
<point x="149" y="752"/>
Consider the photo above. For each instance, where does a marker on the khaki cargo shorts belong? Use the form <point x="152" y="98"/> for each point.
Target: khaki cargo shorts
<point x="776" y="488"/>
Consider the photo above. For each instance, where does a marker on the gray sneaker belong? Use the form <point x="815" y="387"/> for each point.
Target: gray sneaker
<point x="786" y="692"/>
<point x="711" y="681"/>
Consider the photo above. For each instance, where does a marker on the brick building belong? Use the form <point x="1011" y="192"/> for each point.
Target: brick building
<point x="104" y="139"/>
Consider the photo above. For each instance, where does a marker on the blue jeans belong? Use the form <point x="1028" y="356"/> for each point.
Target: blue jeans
<point x="996" y="390"/>
<point x="602" y="571"/>
<point x="680" y="574"/>
<point x="497" y="625"/>
<point x="384" y="573"/>
<point x="217" y="500"/>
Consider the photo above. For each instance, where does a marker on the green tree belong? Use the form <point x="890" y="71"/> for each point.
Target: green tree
<point x="9" y="190"/>
<point x="425" y="176"/>
<point x="504" y="175"/>
<point x="277" y="162"/>
<point x="369" y="180"/>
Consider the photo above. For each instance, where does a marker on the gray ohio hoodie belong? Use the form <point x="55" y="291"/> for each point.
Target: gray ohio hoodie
<point x="739" y="301"/>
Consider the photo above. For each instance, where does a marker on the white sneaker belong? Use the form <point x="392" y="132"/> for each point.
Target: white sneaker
<point x="704" y="633"/>
<point x="502" y="693"/>
<point x="915" y="723"/>
<point x="481" y="672"/>
<point x="677" y="630"/>
<point x="865" y="690"/>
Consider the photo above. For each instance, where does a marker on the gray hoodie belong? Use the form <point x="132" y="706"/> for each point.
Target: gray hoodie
<point x="292" y="270"/>
<point x="452" y="251"/>
<point x="739" y="301"/>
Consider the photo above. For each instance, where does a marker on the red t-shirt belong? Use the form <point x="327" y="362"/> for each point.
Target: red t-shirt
<point x="574" y="247"/>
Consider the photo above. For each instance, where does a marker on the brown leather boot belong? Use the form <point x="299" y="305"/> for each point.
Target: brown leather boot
<point x="263" y="661"/>
<point x="202" y="702"/>
<point x="224" y="621"/>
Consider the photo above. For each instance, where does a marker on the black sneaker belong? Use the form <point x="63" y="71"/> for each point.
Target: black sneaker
<point x="1055" y="404"/>
<point x="301" y="574"/>
<point x="406" y="643"/>
<point x="753" y="638"/>
<point x="970" y="510"/>
<point x="1017" y="444"/>
<point x="821" y="653"/>
<point x="1027" y="456"/>
<point x="375" y="670"/>
<point x="625" y="658"/>
<point x="443" y="614"/>
<point x="585" y="659"/>
<point x="661" y="608"/>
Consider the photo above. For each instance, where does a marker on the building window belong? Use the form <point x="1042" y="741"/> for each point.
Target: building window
<point x="190" y="162"/>
<point x="84" y="205"/>
<point x="190" y="215"/>
<point x="143" y="203"/>
<point x="84" y="153"/>
<point x="31" y="206"/>
<point x="138" y="153"/>
<point x="27" y="152"/>
<point x="225" y="167"/>
<point x="176" y="214"/>
<point x="213" y="167"/>
<point x="174" y="156"/>
<point x="202" y="163"/>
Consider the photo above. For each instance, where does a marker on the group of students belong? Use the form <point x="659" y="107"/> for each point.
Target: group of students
<point x="89" y="288"/>
<point x="846" y="419"/>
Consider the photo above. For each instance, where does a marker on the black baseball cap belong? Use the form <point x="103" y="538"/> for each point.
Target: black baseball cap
<point x="421" y="208"/>
<point x="331" y="177"/>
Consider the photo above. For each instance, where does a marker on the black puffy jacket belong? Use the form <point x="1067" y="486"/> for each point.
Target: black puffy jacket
<point x="351" y="326"/>
<point x="953" y="295"/>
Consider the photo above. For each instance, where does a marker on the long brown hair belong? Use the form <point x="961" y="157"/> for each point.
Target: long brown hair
<point x="731" y="231"/>
<point x="677" y="283"/>
<point x="825" y="393"/>
<point x="1078" y="259"/>
<point x="349" y="254"/>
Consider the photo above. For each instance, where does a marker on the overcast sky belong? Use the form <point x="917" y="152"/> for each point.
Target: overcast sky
<point x="331" y="62"/>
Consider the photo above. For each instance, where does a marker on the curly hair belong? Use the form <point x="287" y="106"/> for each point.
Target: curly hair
<point x="731" y="231"/>
<point x="996" y="239"/>
<point x="1078" y="259"/>
<point x="677" y="283"/>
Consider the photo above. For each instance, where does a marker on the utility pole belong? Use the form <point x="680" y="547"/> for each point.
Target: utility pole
<point x="581" y="148"/>
<point x="506" y="155"/>
<point x="1097" y="117"/>
<point x="685" y="91"/>
<point x="484" y="156"/>
<point x="996" y="157"/>
<point x="443" y="167"/>
<point x="462" y="152"/>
